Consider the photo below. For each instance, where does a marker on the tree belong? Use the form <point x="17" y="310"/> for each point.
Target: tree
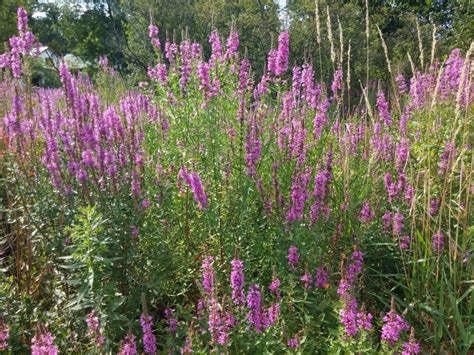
<point x="88" y="31"/>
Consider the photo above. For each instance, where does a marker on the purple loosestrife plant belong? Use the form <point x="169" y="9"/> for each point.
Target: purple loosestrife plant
<point x="146" y="203"/>
<point x="228" y="324"/>
<point x="299" y="195"/>
<point x="194" y="182"/>
<point x="434" y="206"/>
<point x="22" y="22"/>
<point x="43" y="345"/>
<point x="401" y="83"/>
<point x="366" y="213"/>
<point x="420" y="84"/>
<point x="310" y="92"/>
<point x="293" y="343"/>
<point x="4" y="60"/>
<point x="187" y="347"/>
<point x="186" y="68"/>
<point x="272" y="61"/>
<point x="244" y="79"/>
<point x="153" y="31"/>
<point x="293" y="257"/>
<point x="355" y="267"/>
<point x="103" y="61"/>
<point x="273" y="314"/>
<point x="93" y="326"/>
<point x="275" y="287"/>
<point x="215" y="41"/>
<point x="320" y="193"/>
<point x="390" y="187"/>
<point x="411" y="346"/>
<point x="199" y="195"/>
<point x="344" y="287"/>
<point x="393" y="326"/>
<point x="397" y="223"/>
<point x="296" y="82"/>
<point x="349" y="277"/>
<point x="320" y="118"/>
<point x="336" y="85"/>
<point x="232" y="45"/>
<point x="214" y="321"/>
<point x="219" y="323"/>
<point x="158" y="73"/>
<point x="135" y="231"/>
<point x="172" y="321"/>
<point x="149" y="339"/>
<point x="364" y="319"/>
<point x="262" y="87"/>
<point x="129" y="345"/>
<point x="387" y="220"/>
<point x="402" y="153"/>
<point x="252" y="147"/>
<point x="404" y="242"/>
<point x="21" y="46"/>
<point x="204" y="78"/>
<point x="100" y="145"/>
<point x="451" y="76"/>
<point x="171" y="49"/>
<point x="322" y="277"/>
<point x="255" y="315"/>
<point x="446" y="159"/>
<point x="407" y="112"/>
<point x="43" y="342"/>
<point x="307" y="280"/>
<point x="208" y="275"/>
<point x="382" y="107"/>
<point x="348" y="318"/>
<point x="281" y="65"/>
<point x="237" y="282"/>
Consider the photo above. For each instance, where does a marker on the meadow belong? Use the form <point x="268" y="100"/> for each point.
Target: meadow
<point x="209" y="209"/>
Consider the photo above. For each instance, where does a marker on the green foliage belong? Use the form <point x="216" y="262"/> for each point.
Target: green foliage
<point x="99" y="248"/>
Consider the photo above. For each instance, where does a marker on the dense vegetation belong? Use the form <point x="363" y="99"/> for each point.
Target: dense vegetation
<point x="209" y="208"/>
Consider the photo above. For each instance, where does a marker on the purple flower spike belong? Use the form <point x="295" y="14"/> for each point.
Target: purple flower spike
<point x="237" y="282"/>
<point x="293" y="257"/>
<point x="149" y="339"/>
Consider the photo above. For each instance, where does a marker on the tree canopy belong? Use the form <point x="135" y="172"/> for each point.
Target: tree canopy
<point x="118" y="29"/>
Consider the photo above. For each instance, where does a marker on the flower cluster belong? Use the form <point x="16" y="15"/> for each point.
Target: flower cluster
<point x="129" y="345"/>
<point x="21" y="46"/>
<point x="351" y="317"/>
<point x="293" y="257"/>
<point x="94" y="329"/>
<point x="237" y="280"/>
<point x="193" y="180"/>
<point x="149" y="339"/>
<point x="393" y="326"/>
<point x="43" y="342"/>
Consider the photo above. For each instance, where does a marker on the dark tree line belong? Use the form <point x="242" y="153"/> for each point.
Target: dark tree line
<point x="118" y="29"/>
